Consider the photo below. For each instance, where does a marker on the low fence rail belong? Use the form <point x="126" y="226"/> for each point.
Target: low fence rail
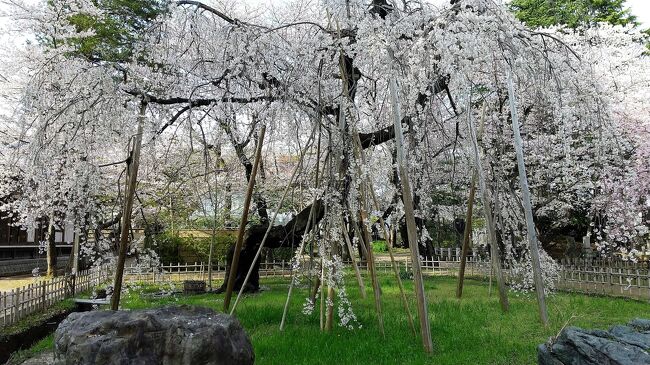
<point x="20" y="302"/>
<point x="625" y="280"/>
<point x="198" y="271"/>
<point x="622" y="279"/>
<point x="612" y="281"/>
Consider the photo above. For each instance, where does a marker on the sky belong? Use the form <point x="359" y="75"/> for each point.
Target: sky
<point x="640" y="8"/>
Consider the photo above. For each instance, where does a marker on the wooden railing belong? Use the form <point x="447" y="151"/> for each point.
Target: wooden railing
<point x="612" y="281"/>
<point x="632" y="281"/>
<point x="20" y="302"/>
<point x="197" y="271"/>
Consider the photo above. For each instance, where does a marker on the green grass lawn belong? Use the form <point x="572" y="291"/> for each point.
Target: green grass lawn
<point x="470" y="331"/>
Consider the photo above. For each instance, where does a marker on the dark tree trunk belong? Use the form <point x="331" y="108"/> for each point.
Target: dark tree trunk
<point x="287" y="235"/>
<point x="426" y="245"/>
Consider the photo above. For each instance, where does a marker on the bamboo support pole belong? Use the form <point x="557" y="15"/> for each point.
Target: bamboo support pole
<point x="393" y="263"/>
<point x="495" y="256"/>
<point x="425" y="329"/>
<point x="357" y="272"/>
<point x="371" y="264"/>
<point x="329" y="317"/>
<point x="286" y="305"/>
<point x="322" y="292"/>
<point x="363" y="215"/>
<point x="370" y="190"/>
<point x="318" y="152"/>
<point x="242" y="224"/>
<point x="366" y="235"/>
<point x="466" y="237"/>
<point x="293" y="275"/>
<point x="275" y="215"/>
<point x="528" y="210"/>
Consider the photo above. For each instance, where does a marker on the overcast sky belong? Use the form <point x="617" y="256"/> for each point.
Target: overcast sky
<point x="641" y="8"/>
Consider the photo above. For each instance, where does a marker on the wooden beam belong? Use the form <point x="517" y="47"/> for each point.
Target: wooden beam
<point x="131" y="181"/>
<point x="242" y="224"/>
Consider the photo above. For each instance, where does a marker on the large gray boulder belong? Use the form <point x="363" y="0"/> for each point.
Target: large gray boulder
<point x="167" y="336"/>
<point x="621" y="345"/>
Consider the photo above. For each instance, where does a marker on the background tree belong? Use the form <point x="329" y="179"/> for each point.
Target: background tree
<point x="572" y="13"/>
<point x="115" y="28"/>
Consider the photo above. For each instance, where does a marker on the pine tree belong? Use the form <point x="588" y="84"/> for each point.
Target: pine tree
<point x="572" y="13"/>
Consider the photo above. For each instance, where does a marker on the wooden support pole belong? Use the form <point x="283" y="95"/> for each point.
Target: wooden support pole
<point x="299" y="256"/>
<point x="329" y="317"/>
<point x="371" y="263"/>
<point x="75" y="252"/>
<point x="215" y="206"/>
<point x="275" y="215"/>
<point x="242" y="224"/>
<point x="357" y="273"/>
<point x="407" y="197"/>
<point x="528" y="210"/>
<point x="51" y="247"/>
<point x="75" y="260"/>
<point x="210" y="255"/>
<point x="129" y="195"/>
<point x="466" y="237"/>
<point x="389" y="246"/>
<point x="322" y="291"/>
<point x="367" y="238"/>
<point x="495" y="257"/>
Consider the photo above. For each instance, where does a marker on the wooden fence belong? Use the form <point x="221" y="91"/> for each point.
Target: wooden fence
<point x="602" y="280"/>
<point x="600" y="262"/>
<point x="18" y="303"/>
<point x="627" y="280"/>
<point x="197" y="271"/>
<point x="622" y="279"/>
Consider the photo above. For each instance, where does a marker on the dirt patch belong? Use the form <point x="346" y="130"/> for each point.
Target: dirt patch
<point x="13" y="282"/>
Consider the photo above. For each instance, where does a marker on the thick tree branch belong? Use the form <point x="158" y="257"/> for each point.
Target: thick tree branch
<point x="202" y="102"/>
<point x="210" y="9"/>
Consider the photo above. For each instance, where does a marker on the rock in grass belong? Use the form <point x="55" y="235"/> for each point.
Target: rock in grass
<point x="168" y="336"/>
<point x="621" y="345"/>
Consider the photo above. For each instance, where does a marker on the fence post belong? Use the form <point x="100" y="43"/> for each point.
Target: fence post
<point x="638" y="282"/>
<point x="609" y="279"/>
<point x="43" y="305"/>
<point x="14" y="297"/>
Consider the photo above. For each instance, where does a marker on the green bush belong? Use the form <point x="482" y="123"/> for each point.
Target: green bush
<point x="173" y="248"/>
<point x="379" y="246"/>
